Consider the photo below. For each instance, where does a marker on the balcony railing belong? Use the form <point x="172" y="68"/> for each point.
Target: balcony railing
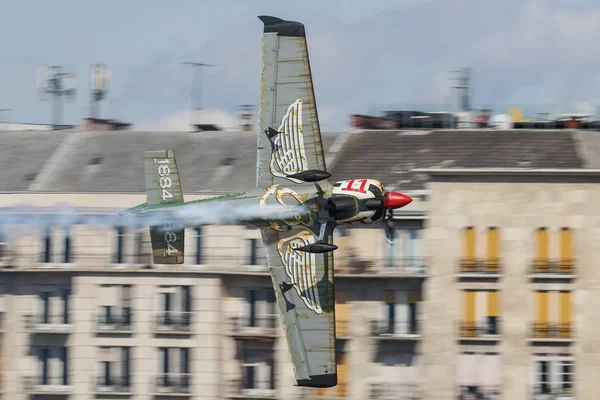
<point x="386" y="327"/>
<point x="551" y="331"/>
<point x="555" y="391"/>
<point x="395" y="391"/>
<point x="174" y="321"/>
<point x="172" y="383"/>
<point x="253" y="389"/>
<point x="479" y="330"/>
<point x="480" y="392"/>
<point x="263" y="325"/>
<point x="544" y="266"/>
<point x="225" y="264"/>
<point x="417" y="266"/>
<point x="51" y="385"/>
<point x="483" y="266"/>
<point x="42" y="322"/>
<point x="112" y="384"/>
<point x="121" y="321"/>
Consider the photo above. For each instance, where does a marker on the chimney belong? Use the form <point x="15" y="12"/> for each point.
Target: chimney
<point x="246" y="116"/>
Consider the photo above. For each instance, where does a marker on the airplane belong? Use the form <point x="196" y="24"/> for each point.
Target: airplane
<point x="292" y="174"/>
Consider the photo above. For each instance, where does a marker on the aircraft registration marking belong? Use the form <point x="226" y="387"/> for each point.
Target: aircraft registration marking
<point x="164" y="181"/>
<point x="164" y="178"/>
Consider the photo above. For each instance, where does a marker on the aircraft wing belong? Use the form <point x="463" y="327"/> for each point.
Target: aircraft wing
<point x="289" y="137"/>
<point x="304" y="290"/>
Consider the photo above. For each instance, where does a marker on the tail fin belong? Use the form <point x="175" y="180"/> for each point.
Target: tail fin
<point x="163" y="187"/>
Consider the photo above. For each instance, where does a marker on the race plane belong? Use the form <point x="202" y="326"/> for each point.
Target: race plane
<point x="291" y="173"/>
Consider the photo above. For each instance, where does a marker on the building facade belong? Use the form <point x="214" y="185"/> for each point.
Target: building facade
<point x="510" y="308"/>
<point x="465" y="296"/>
<point x="88" y="314"/>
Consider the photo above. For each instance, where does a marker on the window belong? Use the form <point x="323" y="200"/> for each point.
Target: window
<point x="469" y="253"/>
<point x="403" y="248"/>
<point x="199" y="256"/>
<point x="481" y="313"/>
<point x="260" y="308"/>
<point x="258" y="368"/>
<point x="255" y="254"/>
<point x="114" y="367"/>
<point x="175" y="308"/>
<point x="479" y="375"/>
<point x="119" y="247"/>
<point x="132" y="246"/>
<point x="53" y="306"/>
<point x="415" y="248"/>
<point x="47" y="248"/>
<point x="53" y="365"/>
<point x="553" y="319"/>
<point x="174" y="368"/>
<point x="67" y="250"/>
<point x="64" y="296"/>
<point x="398" y="313"/>
<point x="553" y="374"/>
<point x="565" y="262"/>
<point x="493" y="250"/>
<point x="541" y="260"/>
<point x="252" y="254"/>
<point x="114" y="306"/>
<point x="45" y="303"/>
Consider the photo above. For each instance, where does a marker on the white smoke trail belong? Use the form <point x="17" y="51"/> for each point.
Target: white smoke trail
<point x="20" y="220"/>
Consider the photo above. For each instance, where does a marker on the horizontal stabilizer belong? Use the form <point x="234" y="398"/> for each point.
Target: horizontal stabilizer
<point x="167" y="245"/>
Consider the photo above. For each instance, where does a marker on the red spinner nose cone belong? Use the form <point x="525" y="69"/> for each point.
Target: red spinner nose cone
<point x="395" y="200"/>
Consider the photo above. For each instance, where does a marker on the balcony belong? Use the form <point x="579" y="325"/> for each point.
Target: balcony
<point x="386" y="329"/>
<point x="47" y="323"/>
<point x="479" y="331"/>
<point x="551" y="332"/>
<point x="394" y="391"/>
<point x="242" y="389"/>
<point x="114" y="323"/>
<point x="480" y="268"/>
<point x="113" y="385"/>
<point x="562" y="391"/>
<point x="174" y="322"/>
<point x="480" y="392"/>
<point x="542" y="268"/>
<point x="410" y="267"/>
<point x="171" y="384"/>
<point x="55" y="386"/>
<point x="263" y="326"/>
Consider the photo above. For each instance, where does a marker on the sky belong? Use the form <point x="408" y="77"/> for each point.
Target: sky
<point x="365" y="56"/>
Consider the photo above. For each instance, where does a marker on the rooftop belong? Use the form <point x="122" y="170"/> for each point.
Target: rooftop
<point x="74" y="161"/>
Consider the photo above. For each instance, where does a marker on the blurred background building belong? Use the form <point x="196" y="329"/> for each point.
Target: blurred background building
<point x="483" y="288"/>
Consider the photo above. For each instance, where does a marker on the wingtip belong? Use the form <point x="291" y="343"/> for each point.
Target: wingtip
<point x="269" y="20"/>
<point x="282" y="27"/>
<point x="319" y="381"/>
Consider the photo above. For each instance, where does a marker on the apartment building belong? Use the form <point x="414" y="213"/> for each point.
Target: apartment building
<point x="519" y="287"/>
<point x="456" y="297"/>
